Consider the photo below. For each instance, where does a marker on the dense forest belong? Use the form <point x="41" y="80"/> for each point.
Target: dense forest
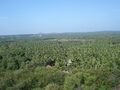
<point x="60" y="61"/>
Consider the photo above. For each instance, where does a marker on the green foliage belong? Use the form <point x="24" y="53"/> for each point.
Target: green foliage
<point x="52" y="87"/>
<point x="89" y="61"/>
<point x="88" y="80"/>
<point x="49" y="75"/>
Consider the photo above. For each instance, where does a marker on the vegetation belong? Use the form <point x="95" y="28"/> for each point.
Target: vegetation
<point x="67" y="61"/>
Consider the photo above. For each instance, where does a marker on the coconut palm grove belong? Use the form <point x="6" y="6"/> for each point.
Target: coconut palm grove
<point x="60" y="61"/>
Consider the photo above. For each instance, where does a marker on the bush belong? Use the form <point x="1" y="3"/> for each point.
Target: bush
<point x="49" y="75"/>
<point x="52" y="86"/>
<point x="88" y="80"/>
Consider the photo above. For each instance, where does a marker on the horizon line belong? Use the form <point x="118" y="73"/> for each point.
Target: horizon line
<point x="58" y="32"/>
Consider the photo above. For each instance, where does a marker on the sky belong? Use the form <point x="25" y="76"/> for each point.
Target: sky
<point x="58" y="16"/>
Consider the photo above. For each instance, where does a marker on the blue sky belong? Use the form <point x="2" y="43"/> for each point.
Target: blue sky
<point x="47" y="16"/>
